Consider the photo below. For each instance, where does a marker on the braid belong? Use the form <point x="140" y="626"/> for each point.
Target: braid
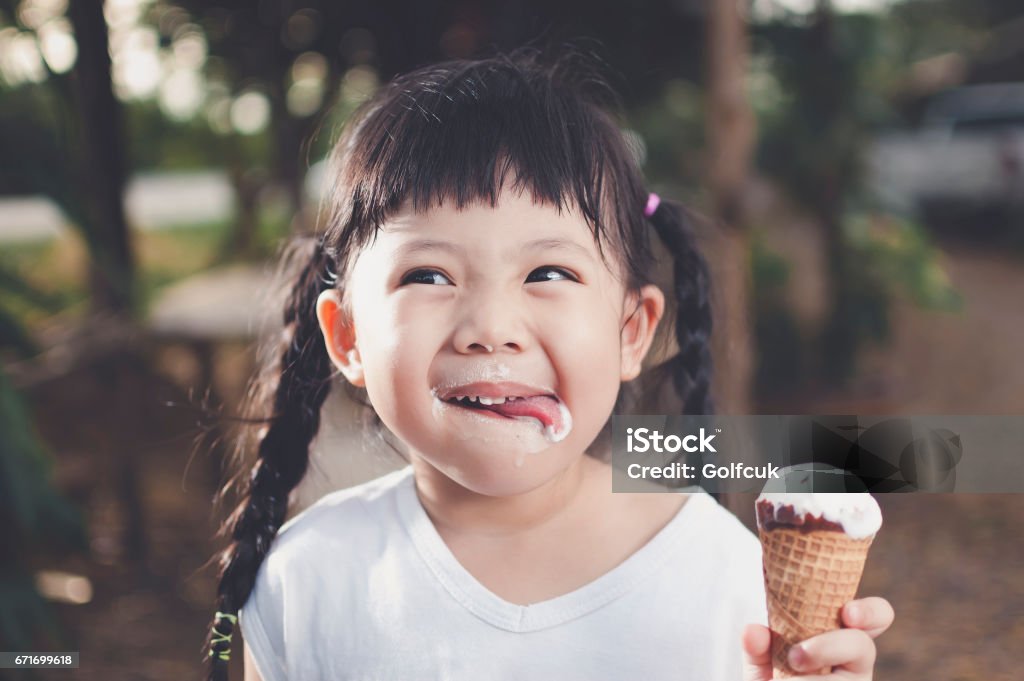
<point x="282" y="458"/>
<point x="691" y="367"/>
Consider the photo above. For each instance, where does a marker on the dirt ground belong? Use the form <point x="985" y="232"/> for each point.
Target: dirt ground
<point x="952" y="565"/>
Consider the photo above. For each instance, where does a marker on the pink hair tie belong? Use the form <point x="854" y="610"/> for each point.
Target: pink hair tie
<point x="653" y="200"/>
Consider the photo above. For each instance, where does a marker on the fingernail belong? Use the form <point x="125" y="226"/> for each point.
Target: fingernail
<point x="853" y="613"/>
<point x="797" y="657"/>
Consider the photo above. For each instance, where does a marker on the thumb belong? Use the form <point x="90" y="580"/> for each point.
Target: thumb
<point x="757" y="653"/>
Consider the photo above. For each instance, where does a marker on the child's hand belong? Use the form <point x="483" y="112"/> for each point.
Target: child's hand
<point x="850" y="651"/>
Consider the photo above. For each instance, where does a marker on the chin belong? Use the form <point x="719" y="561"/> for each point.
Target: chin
<point x="496" y="473"/>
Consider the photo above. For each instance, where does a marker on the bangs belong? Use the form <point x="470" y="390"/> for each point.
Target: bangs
<point x="459" y="131"/>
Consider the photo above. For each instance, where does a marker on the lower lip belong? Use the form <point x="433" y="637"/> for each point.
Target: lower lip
<point x="521" y="434"/>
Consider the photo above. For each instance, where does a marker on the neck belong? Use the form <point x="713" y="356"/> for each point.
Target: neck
<point x="456" y="509"/>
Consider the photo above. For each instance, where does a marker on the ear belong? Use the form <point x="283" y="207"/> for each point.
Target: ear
<point x="340" y="336"/>
<point x="641" y="315"/>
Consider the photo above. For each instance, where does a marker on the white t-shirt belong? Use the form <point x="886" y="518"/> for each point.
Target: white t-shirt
<point x="361" y="586"/>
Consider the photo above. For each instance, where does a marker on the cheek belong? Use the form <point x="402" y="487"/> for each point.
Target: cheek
<point x="394" y="325"/>
<point x="586" y="345"/>
<point x="590" y="325"/>
<point x="402" y="338"/>
<point x="396" y="341"/>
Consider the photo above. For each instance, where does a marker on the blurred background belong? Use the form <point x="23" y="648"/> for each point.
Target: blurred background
<point x="858" y="166"/>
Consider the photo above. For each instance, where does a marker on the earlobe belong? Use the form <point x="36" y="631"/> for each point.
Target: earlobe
<point x="643" y="312"/>
<point x="339" y="336"/>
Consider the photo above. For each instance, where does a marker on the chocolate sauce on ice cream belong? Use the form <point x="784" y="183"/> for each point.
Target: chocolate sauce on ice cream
<point x="770" y="516"/>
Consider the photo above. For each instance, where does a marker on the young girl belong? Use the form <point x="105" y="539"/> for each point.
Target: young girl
<point x="484" y="282"/>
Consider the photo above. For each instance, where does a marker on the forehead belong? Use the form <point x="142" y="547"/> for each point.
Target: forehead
<point x="515" y="216"/>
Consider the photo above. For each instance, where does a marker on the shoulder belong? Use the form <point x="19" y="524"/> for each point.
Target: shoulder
<point x="368" y="497"/>
<point x="319" y="554"/>
<point x="348" y="521"/>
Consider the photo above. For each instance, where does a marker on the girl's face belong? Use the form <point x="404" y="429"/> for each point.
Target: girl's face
<point x="510" y="305"/>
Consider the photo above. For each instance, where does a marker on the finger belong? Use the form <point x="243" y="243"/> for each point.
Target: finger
<point x="873" y="615"/>
<point x="757" y="653"/>
<point x="849" y="649"/>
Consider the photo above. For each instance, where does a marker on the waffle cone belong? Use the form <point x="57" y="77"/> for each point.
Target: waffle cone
<point x="808" y="578"/>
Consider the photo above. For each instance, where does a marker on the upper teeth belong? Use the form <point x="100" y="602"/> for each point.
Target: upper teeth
<point x="484" y="400"/>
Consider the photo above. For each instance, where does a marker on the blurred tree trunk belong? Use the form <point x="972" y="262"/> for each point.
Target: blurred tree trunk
<point x="731" y="131"/>
<point x="102" y="171"/>
<point x="293" y="138"/>
<point x="837" y="177"/>
<point x="289" y="170"/>
<point x="101" y="162"/>
<point x="241" y="242"/>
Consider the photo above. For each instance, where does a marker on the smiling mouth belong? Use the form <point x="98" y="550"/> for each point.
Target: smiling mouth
<point x="541" y="407"/>
<point x="547" y="410"/>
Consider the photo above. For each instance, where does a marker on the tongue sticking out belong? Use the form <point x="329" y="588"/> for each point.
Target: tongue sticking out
<point x="542" y="408"/>
<point x="552" y="414"/>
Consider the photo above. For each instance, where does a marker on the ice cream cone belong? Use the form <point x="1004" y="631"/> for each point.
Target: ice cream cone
<point x="808" y="577"/>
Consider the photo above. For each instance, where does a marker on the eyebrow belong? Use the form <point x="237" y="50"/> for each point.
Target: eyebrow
<point x="545" y="244"/>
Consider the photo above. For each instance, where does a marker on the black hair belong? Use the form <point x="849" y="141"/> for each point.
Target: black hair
<point x="455" y="131"/>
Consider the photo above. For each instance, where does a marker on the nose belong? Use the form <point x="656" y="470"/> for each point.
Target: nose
<point x="491" y="322"/>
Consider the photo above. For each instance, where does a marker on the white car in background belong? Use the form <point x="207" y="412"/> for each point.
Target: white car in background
<point x="967" y="157"/>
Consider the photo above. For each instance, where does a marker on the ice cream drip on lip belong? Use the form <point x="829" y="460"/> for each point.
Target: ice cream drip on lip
<point x="551" y="432"/>
<point x="553" y="435"/>
<point x="857" y="513"/>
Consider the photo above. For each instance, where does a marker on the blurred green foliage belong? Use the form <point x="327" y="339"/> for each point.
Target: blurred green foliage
<point x="36" y="282"/>
<point x="33" y="515"/>
<point x="896" y="255"/>
<point x="780" y="344"/>
<point x="829" y="83"/>
<point x="672" y="127"/>
<point x="821" y="84"/>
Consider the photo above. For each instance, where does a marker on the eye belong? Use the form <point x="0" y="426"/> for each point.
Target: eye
<point x="549" y="273"/>
<point x="424" y="276"/>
